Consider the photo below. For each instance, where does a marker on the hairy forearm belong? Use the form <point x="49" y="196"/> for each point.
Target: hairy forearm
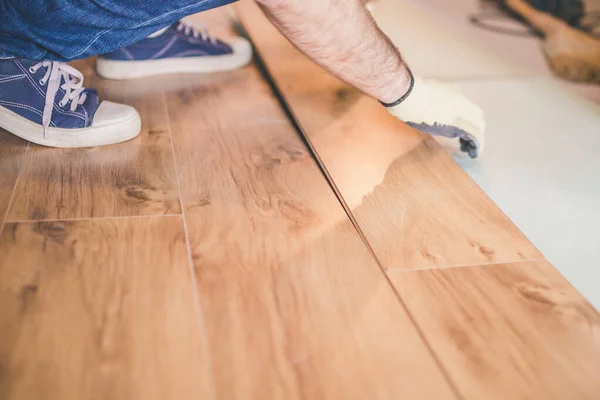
<point x="341" y="36"/>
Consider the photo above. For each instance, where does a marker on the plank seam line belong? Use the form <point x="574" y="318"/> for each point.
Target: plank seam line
<point x="14" y="190"/>
<point x="489" y="264"/>
<point x="270" y="80"/>
<point x="198" y="303"/>
<point x="496" y="206"/>
<point x="118" y="217"/>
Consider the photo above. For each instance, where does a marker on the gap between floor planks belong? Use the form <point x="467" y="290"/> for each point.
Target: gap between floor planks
<point x="124" y="180"/>
<point x="278" y="259"/>
<point x="108" y="303"/>
<point x="331" y="353"/>
<point x="410" y="200"/>
<point x="546" y="311"/>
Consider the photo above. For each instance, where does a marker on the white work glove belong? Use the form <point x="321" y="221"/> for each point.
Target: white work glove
<point x="441" y="110"/>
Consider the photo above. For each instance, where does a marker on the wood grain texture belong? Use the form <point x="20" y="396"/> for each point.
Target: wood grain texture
<point x="130" y="179"/>
<point x="514" y="331"/>
<point x="413" y="203"/>
<point x="99" y="310"/>
<point x="12" y="150"/>
<point x="295" y="306"/>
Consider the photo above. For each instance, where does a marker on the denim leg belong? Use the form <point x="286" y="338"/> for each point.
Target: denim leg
<point x="64" y="30"/>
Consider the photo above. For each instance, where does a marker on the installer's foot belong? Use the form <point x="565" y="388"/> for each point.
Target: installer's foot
<point x="180" y="48"/>
<point x="46" y="103"/>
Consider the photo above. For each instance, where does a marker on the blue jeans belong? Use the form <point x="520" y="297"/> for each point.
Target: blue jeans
<point x="65" y="30"/>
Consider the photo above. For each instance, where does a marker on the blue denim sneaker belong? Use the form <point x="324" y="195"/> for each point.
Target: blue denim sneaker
<point x="179" y="48"/>
<point x="46" y="103"/>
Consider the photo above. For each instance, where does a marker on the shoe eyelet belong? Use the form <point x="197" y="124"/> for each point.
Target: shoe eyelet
<point x="42" y="82"/>
<point x="31" y="70"/>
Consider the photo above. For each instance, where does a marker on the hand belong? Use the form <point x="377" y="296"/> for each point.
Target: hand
<point x="441" y="110"/>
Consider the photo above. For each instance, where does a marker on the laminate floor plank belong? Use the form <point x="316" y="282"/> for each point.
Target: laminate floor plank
<point x="99" y="309"/>
<point x="413" y="203"/>
<point x="512" y="331"/>
<point x="295" y="306"/>
<point x="130" y="179"/>
<point x="12" y="151"/>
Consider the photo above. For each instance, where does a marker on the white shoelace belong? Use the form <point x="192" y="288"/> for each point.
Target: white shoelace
<point x="73" y="87"/>
<point x="195" y="30"/>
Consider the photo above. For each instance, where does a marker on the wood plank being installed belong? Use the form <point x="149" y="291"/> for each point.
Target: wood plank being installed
<point x="412" y="202"/>
<point x="295" y="306"/>
<point x="100" y="309"/>
<point x="515" y="331"/>
<point x="129" y="179"/>
<point x="12" y="150"/>
<point x="512" y="331"/>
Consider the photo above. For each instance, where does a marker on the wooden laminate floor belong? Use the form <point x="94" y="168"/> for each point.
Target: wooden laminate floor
<point x="210" y="258"/>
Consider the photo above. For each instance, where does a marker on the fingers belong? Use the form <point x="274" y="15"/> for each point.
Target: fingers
<point x="440" y="109"/>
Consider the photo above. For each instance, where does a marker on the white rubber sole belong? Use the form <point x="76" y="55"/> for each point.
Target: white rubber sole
<point x="70" y="138"/>
<point x="118" y="70"/>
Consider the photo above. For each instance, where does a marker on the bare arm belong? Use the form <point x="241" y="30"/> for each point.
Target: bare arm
<point x="341" y="36"/>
